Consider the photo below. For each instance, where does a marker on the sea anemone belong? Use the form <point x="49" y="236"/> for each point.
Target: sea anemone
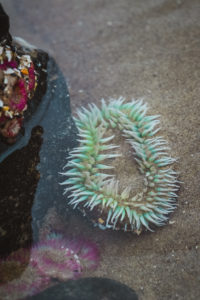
<point x="20" y="277"/>
<point x="63" y="259"/>
<point x="86" y="252"/>
<point x="27" y="272"/>
<point x="92" y="186"/>
<point x="14" y="265"/>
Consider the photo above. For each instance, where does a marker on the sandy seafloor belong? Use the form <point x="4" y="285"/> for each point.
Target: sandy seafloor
<point x="134" y="48"/>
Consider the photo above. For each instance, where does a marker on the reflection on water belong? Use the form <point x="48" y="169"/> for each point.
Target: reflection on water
<point x="29" y="176"/>
<point x="56" y="257"/>
<point x="19" y="179"/>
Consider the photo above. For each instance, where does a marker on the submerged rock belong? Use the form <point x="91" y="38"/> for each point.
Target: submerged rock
<point x="88" y="289"/>
<point x="4" y="24"/>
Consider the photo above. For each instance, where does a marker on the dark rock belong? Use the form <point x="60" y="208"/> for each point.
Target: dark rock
<point x="29" y="169"/>
<point x="40" y="60"/>
<point x="88" y="289"/>
<point x="4" y="23"/>
<point x="29" y="180"/>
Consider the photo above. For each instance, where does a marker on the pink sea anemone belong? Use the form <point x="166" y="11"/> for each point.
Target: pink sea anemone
<point x="64" y="259"/>
<point x="12" y="127"/>
<point x="31" y="282"/>
<point x="28" y="271"/>
<point x="86" y="251"/>
<point x="20" y="277"/>
<point x="13" y="265"/>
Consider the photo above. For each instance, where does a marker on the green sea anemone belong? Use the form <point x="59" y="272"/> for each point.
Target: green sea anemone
<point x="92" y="171"/>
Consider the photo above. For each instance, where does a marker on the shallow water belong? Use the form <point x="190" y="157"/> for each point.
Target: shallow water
<point x="105" y="50"/>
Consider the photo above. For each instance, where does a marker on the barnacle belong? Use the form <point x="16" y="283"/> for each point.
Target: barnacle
<point x="93" y="187"/>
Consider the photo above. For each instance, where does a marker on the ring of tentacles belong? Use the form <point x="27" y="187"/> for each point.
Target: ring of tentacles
<point x="95" y="191"/>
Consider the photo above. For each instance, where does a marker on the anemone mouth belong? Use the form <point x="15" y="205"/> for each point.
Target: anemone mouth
<point x="92" y="183"/>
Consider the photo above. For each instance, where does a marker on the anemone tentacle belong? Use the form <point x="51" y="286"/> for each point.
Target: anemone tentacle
<point x="94" y="188"/>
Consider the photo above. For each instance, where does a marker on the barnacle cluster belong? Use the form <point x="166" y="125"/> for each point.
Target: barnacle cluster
<point x="18" y="81"/>
<point x="94" y="189"/>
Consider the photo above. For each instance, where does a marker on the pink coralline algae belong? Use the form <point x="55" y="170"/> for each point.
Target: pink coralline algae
<point x="56" y="257"/>
<point x="8" y="64"/>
